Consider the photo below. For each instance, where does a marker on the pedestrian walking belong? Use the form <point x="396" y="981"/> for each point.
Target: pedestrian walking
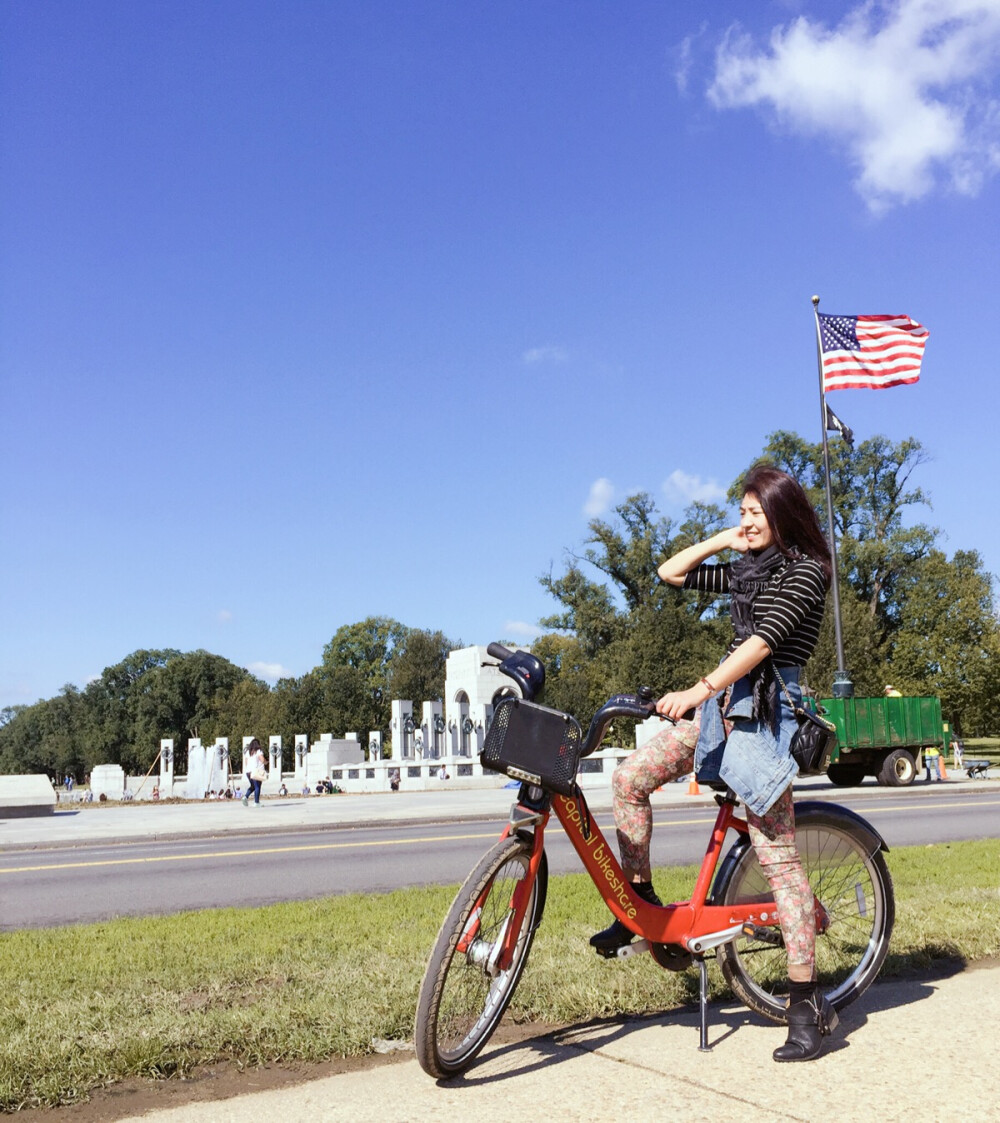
<point x="257" y="774"/>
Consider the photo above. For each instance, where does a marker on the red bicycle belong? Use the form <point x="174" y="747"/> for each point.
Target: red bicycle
<point x="482" y="948"/>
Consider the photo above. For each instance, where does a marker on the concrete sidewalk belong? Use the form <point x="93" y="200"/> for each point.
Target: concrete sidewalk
<point x="914" y="1051"/>
<point x="97" y="824"/>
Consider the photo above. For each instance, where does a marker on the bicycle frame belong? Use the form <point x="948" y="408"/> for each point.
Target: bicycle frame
<point x="693" y="925"/>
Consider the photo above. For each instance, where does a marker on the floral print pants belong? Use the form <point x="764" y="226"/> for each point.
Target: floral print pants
<point x="667" y="757"/>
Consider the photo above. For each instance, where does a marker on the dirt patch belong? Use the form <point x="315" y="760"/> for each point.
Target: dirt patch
<point x="222" y="1081"/>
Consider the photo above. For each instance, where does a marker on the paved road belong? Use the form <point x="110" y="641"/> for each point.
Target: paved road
<point x="70" y="883"/>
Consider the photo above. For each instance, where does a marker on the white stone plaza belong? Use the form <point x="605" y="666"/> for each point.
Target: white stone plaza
<point x="430" y="743"/>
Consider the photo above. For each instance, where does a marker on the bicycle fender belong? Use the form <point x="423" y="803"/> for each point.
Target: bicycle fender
<point x="835" y="814"/>
<point x="817" y="811"/>
<point x="725" y="870"/>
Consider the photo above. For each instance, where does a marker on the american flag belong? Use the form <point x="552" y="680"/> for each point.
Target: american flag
<point x="870" y="352"/>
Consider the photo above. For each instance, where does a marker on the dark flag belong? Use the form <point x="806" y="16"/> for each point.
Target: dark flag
<point x="835" y="425"/>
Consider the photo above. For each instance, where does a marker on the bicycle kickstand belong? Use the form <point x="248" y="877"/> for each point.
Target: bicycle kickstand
<point x="703" y="1045"/>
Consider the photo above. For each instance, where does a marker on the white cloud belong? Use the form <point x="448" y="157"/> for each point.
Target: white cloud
<point x="681" y="488"/>
<point x="270" y="672"/>
<point x="906" y="88"/>
<point x="684" y="58"/>
<point x="521" y="631"/>
<point x="223" y="616"/>
<point x="602" y="492"/>
<point x="544" y="355"/>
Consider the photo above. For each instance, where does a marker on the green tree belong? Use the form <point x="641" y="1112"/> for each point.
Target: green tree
<point x="48" y="737"/>
<point x="355" y="673"/>
<point x="247" y="709"/>
<point x="950" y="642"/>
<point x="569" y="677"/>
<point x="863" y="643"/>
<point x="298" y="707"/>
<point x="417" y="672"/>
<point x="872" y="490"/>
<point x="113" y="703"/>
<point x="184" y="699"/>
<point x="631" y="630"/>
<point x="588" y="609"/>
<point x="156" y="694"/>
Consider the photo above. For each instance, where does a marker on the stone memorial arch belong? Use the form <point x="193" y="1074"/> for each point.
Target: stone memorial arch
<point x="456" y="726"/>
<point x="473" y="686"/>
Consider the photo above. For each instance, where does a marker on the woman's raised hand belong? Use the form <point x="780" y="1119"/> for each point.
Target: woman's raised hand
<point x="735" y="539"/>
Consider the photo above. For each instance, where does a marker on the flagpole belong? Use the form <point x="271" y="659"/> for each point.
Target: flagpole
<point x="842" y="685"/>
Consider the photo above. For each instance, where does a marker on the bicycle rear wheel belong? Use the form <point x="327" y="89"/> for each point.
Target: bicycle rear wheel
<point x="463" y="994"/>
<point x="851" y="881"/>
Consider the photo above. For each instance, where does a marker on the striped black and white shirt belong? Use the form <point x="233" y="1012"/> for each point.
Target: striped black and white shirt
<point x="787" y="614"/>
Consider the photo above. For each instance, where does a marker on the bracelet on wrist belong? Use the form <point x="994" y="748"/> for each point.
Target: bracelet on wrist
<point x="711" y="689"/>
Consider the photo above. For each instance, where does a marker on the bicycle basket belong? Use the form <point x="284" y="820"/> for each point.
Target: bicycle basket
<point x="533" y="743"/>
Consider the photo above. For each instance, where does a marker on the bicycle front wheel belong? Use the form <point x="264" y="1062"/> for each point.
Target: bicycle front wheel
<point x="851" y="881"/>
<point x="464" y="993"/>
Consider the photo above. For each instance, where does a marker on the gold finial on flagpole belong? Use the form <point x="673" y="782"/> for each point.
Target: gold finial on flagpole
<point x="815" y="300"/>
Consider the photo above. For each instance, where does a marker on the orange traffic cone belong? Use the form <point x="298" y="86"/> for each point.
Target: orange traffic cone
<point x="693" y="788"/>
<point x="942" y="771"/>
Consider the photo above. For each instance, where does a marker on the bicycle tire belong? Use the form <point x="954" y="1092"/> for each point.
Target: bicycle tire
<point x="461" y="1001"/>
<point x="850" y="878"/>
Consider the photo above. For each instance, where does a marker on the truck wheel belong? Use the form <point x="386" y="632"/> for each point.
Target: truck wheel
<point x="846" y="775"/>
<point x="898" y="769"/>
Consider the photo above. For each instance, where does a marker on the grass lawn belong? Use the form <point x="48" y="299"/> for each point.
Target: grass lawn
<point x="86" y="1006"/>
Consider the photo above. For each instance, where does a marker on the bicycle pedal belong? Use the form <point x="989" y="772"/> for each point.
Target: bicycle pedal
<point x="636" y="947"/>
<point x="766" y="935"/>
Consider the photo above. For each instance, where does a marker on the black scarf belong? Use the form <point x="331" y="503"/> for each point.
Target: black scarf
<point x="748" y="577"/>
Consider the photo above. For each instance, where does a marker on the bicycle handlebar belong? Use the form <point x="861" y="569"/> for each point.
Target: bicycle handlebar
<point x="529" y="673"/>
<point x="619" y="705"/>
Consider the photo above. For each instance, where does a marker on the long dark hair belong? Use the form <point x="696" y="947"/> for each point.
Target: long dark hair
<point x="790" y="515"/>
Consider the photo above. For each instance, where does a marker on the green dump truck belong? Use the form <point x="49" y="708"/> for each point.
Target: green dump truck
<point x="883" y="737"/>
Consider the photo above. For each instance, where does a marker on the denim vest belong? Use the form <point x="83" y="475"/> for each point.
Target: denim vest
<point x="757" y="765"/>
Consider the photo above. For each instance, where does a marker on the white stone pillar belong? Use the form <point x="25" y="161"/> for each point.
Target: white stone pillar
<point x="166" y="767"/>
<point x="375" y="745"/>
<point x="194" y="787"/>
<point x="434" y="729"/>
<point x="219" y="775"/>
<point x="480" y="715"/>
<point x="403" y="730"/>
<point x="301" y="755"/>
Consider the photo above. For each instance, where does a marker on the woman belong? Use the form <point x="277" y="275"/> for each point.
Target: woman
<point x="778" y="590"/>
<point x="256" y="773"/>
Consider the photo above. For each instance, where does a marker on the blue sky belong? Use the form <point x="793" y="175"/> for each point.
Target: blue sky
<point x="313" y="311"/>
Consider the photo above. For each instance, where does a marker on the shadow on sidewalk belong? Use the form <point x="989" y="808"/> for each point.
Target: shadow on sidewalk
<point x="534" y="1054"/>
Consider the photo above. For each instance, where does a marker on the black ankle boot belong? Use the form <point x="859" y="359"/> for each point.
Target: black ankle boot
<point x="811" y="1017"/>
<point x="645" y="890"/>
<point x="616" y="935"/>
